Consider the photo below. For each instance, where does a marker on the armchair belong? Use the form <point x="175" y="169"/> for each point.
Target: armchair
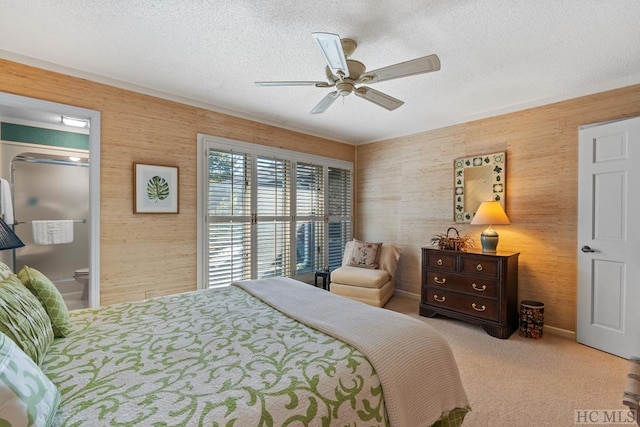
<point x="373" y="286"/>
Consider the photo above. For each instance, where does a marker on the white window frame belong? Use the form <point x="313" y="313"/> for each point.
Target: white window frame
<point x="207" y="142"/>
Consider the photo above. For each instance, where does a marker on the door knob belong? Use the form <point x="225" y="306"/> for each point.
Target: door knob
<point x="586" y="248"/>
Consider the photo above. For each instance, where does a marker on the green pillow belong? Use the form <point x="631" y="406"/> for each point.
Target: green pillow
<point x="50" y="297"/>
<point x="27" y="396"/>
<point x="5" y="271"/>
<point x="23" y="319"/>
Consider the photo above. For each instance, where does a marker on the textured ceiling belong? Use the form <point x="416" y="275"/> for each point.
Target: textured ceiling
<point x="497" y="55"/>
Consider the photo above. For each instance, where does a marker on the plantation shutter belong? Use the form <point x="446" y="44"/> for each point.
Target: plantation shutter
<point x="339" y="202"/>
<point x="229" y="211"/>
<point x="269" y="212"/>
<point x="310" y="217"/>
<point x="273" y="207"/>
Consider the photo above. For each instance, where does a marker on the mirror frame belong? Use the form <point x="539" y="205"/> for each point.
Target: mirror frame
<point x="498" y="161"/>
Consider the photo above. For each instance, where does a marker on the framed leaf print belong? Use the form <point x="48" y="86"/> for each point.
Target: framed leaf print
<point x="155" y="189"/>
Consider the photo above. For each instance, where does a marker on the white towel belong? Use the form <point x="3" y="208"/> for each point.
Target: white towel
<point x="6" y="205"/>
<point x="52" y="232"/>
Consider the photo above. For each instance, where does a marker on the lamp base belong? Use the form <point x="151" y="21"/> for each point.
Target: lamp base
<point x="489" y="240"/>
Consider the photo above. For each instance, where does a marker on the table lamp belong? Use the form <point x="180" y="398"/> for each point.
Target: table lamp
<point x="490" y="213"/>
<point x="8" y="239"/>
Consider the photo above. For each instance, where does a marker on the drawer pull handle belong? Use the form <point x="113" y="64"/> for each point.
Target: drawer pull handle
<point x="479" y="267"/>
<point x="439" y="261"/>
<point x="482" y="289"/>
<point x="483" y="308"/>
<point x="442" y="282"/>
<point x="435" y="297"/>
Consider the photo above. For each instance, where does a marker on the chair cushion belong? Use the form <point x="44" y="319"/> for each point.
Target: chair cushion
<point x="360" y="277"/>
<point x="388" y="261"/>
<point x="375" y="297"/>
<point x="388" y="256"/>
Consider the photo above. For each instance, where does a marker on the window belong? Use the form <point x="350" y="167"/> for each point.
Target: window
<point x="309" y="218"/>
<point x="339" y="201"/>
<point x="269" y="212"/>
<point x="272" y="237"/>
<point x="229" y="211"/>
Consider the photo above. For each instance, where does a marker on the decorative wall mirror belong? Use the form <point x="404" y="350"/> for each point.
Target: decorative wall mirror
<point x="478" y="179"/>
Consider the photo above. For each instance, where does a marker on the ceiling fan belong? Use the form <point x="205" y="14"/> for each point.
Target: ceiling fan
<point x="344" y="74"/>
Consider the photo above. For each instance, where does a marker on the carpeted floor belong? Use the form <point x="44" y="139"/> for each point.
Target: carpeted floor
<point x="525" y="382"/>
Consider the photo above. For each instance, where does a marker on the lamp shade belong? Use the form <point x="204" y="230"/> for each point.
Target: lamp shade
<point x="490" y="213"/>
<point x="8" y="239"/>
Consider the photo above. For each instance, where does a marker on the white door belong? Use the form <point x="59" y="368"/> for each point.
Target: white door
<point x="609" y="238"/>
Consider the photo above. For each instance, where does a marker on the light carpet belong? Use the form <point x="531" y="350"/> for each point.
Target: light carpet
<point x="526" y="382"/>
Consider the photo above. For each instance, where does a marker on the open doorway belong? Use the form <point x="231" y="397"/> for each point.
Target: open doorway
<point x="19" y="111"/>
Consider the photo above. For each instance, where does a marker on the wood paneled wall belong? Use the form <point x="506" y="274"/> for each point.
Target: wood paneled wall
<point x="149" y="253"/>
<point x="405" y="192"/>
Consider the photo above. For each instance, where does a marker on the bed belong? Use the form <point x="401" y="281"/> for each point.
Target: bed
<point x="268" y="352"/>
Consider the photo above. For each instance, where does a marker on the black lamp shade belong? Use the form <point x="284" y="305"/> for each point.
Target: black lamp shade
<point x="8" y="239"/>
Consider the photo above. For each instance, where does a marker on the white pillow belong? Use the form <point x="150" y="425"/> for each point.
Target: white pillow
<point x="27" y="396"/>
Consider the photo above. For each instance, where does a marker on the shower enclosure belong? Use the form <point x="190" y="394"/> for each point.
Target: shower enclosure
<point x="53" y="187"/>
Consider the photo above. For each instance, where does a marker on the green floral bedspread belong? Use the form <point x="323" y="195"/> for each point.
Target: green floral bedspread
<point x="216" y="358"/>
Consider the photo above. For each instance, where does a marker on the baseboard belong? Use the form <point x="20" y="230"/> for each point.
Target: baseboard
<point x="560" y="332"/>
<point x="547" y="329"/>
<point x="406" y="294"/>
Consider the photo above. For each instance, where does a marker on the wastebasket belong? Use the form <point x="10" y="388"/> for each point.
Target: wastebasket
<point x="531" y="319"/>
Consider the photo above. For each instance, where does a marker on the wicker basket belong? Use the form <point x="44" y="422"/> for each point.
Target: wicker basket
<point x="451" y="242"/>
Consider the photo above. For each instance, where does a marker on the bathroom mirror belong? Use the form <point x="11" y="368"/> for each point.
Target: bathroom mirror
<point x="477" y="179"/>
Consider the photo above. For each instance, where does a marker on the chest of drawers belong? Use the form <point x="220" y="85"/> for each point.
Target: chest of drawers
<point x="472" y="286"/>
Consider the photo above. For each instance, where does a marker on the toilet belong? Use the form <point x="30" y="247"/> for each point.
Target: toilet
<point x="75" y="290"/>
<point x="82" y="276"/>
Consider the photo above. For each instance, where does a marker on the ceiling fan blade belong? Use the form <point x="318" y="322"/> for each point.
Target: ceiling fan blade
<point x="294" y="83"/>
<point x="378" y="98"/>
<point x="325" y="103"/>
<point x="426" y="64"/>
<point x="333" y="53"/>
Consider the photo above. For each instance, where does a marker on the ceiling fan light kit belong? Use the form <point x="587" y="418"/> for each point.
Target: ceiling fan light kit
<point x="344" y="73"/>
